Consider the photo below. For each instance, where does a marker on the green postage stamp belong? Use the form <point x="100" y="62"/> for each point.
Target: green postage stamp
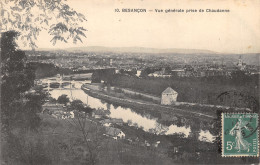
<point x="240" y="134"/>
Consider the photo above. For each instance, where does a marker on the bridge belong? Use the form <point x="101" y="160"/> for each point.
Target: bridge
<point x="59" y="83"/>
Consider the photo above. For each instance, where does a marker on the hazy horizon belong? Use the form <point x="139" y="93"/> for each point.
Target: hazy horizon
<point x="107" y="47"/>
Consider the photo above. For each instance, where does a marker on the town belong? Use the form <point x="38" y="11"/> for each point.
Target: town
<point x="160" y="65"/>
<point x="118" y="91"/>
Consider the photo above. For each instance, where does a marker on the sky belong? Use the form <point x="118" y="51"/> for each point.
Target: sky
<point x="237" y="31"/>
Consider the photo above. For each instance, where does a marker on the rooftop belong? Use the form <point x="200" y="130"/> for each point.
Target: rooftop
<point x="169" y="90"/>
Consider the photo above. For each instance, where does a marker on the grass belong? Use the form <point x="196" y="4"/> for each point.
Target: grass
<point x="67" y="140"/>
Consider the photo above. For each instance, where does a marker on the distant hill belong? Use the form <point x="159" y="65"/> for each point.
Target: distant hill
<point x="134" y="50"/>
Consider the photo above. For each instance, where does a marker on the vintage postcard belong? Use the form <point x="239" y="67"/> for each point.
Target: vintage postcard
<point x="111" y="82"/>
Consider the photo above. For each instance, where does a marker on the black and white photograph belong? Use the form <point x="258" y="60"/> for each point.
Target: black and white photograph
<point x="129" y="82"/>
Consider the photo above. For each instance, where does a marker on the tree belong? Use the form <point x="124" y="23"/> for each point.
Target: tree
<point x="96" y="77"/>
<point x="145" y="72"/>
<point x="168" y="70"/>
<point x="91" y="138"/>
<point x="91" y="133"/>
<point x="19" y="105"/>
<point x="88" y="110"/>
<point x="54" y="16"/>
<point x="63" y="99"/>
<point x="19" y="102"/>
<point x="77" y="105"/>
<point x="80" y="107"/>
<point x="239" y="77"/>
<point x="16" y="79"/>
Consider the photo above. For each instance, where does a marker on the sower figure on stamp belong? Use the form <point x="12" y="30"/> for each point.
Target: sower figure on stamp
<point x="241" y="143"/>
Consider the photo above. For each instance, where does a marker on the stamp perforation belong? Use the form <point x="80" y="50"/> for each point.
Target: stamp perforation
<point x="222" y="135"/>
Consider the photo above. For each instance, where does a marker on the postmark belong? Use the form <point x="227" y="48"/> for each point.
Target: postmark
<point x="240" y="134"/>
<point x="239" y="99"/>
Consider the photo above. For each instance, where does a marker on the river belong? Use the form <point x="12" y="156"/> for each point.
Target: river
<point x="128" y="115"/>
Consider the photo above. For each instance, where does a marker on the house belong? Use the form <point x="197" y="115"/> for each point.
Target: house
<point x="240" y="64"/>
<point x="52" y="107"/>
<point x="107" y="124"/>
<point x="100" y="113"/>
<point x="63" y="115"/>
<point x="47" y="111"/>
<point x="156" y="73"/>
<point x="57" y="111"/>
<point x="115" y="133"/>
<point x="181" y="73"/>
<point x="112" y="121"/>
<point x="138" y="73"/>
<point x="169" y="96"/>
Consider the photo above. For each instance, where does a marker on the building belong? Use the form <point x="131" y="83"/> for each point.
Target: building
<point x="178" y="72"/>
<point x="112" y="121"/>
<point x="52" y="107"/>
<point x="115" y="133"/>
<point x="240" y="64"/>
<point x="99" y="113"/>
<point x="58" y="111"/>
<point x="111" y="62"/>
<point x="138" y="73"/>
<point x="169" y="96"/>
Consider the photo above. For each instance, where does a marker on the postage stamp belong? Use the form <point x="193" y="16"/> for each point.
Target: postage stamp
<point x="240" y="134"/>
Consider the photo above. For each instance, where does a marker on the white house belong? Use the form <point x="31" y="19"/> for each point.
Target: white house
<point x="169" y="96"/>
<point x="115" y="133"/>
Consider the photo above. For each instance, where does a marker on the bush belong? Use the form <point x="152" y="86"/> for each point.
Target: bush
<point x="63" y="99"/>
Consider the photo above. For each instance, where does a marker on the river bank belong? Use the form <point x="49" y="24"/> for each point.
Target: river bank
<point x="147" y="106"/>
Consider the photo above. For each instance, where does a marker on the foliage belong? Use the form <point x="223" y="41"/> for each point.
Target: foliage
<point x="20" y="104"/>
<point x="26" y="148"/>
<point x="16" y="79"/>
<point x="103" y="74"/>
<point x="30" y="17"/>
<point x="193" y="89"/>
<point x="63" y="99"/>
<point x="77" y="105"/>
<point x="88" y="110"/>
<point x="147" y="71"/>
<point x="43" y="70"/>
<point x="96" y="78"/>
<point x="52" y="100"/>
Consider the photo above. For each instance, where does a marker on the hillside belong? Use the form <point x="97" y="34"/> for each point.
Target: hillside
<point x="135" y="50"/>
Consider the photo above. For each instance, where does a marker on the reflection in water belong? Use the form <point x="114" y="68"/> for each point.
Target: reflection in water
<point x="206" y="136"/>
<point x="80" y="95"/>
<point x="174" y="129"/>
<point x="147" y="123"/>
